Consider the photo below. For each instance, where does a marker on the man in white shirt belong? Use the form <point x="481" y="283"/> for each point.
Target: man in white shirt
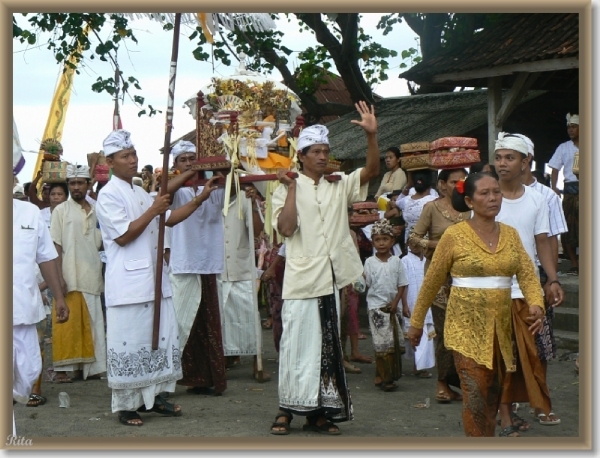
<point x="32" y="245"/>
<point x="79" y="345"/>
<point x="238" y="298"/>
<point x="527" y="211"/>
<point x="563" y="159"/>
<point x="320" y="260"/>
<point x="196" y="258"/>
<point x="128" y="220"/>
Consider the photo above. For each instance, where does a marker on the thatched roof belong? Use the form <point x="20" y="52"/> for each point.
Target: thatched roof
<point x="413" y="118"/>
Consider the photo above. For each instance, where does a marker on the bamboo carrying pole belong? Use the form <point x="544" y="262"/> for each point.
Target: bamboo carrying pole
<point x="164" y="181"/>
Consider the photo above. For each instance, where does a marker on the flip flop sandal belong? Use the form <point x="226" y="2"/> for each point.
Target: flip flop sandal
<point x="442" y="397"/>
<point x="125" y="416"/>
<point x="201" y="390"/>
<point x="362" y="359"/>
<point x="282" y="424"/>
<point x="63" y="379"/>
<point x="389" y="386"/>
<point x="422" y="374"/>
<point x="350" y="369"/>
<point x="548" y="422"/>
<point x="325" y="428"/>
<point x="511" y="429"/>
<point x="36" y="400"/>
<point x="573" y="271"/>
<point x="162" y="407"/>
<point x="519" y="422"/>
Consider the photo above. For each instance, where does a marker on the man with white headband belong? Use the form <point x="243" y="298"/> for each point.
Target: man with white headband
<point x="32" y="245"/>
<point x="128" y="220"/>
<point x="311" y="213"/>
<point x="80" y="345"/>
<point x="544" y="340"/>
<point x="196" y="258"/>
<point x="563" y="159"/>
<point x="527" y="211"/>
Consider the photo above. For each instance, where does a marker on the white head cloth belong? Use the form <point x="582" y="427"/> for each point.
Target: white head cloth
<point x="572" y="119"/>
<point x="313" y="135"/>
<point x="116" y="141"/>
<point x="137" y="181"/>
<point x="182" y="147"/>
<point x="528" y="141"/>
<point x="78" y="171"/>
<point x="510" y="141"/>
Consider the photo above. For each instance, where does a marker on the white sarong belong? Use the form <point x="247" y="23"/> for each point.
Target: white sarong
<point x="300" y="353"/>
<point x="27" y="361"/>
<point x="94" y="306"/>
<point x="136" y="373"/>
<point x="187" y="293"/>
<point x="238" y="317"/>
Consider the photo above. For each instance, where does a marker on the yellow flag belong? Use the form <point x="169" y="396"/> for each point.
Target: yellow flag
<point x="207" y="26"/>
<point x="58" y="109"/>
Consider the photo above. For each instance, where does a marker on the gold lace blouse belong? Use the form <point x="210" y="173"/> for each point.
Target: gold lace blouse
<point x="474" y="315"/>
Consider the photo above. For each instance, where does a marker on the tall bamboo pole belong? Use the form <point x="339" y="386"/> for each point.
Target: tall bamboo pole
<point x="164" y="181"/>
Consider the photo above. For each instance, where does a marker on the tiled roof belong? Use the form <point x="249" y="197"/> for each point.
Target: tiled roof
<point x="412" y="119"/>
<point x="515" y="39"/>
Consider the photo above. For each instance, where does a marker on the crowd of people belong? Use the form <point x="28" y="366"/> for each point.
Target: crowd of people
<point x="460" y="275"/>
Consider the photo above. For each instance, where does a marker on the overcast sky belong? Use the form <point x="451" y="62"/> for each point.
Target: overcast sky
<point x="89" y="116"/>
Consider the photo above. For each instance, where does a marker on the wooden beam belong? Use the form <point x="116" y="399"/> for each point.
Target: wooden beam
<point x="529" y="67"/>
<point x="515" y="95"/>
<point x="494" y="102"/>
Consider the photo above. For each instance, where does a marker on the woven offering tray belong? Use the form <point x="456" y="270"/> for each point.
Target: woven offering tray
<point x="414" y="147"/>
<point x="453" y="142"/>
<point x="416" y="162"/>
<point x="445" y="159"/>
<point x="54" y="172"/>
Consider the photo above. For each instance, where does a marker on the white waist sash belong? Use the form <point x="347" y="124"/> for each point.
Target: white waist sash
<point x="482" y="282"/>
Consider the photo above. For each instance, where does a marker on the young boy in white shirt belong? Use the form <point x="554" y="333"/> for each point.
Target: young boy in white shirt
<point x="386" y="279"/>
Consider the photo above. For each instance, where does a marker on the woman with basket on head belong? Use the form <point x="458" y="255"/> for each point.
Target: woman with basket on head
<point x="436" y="217"/>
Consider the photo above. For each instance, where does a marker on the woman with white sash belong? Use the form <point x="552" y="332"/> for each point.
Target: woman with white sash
<point x="481" y="255"/>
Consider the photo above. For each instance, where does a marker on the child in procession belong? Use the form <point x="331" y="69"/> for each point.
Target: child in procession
<point x="386" y="279"/>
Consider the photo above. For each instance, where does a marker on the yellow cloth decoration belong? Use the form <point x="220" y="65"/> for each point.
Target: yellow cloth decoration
<point x="206" y="30"/>
<point x="72" y="341"/>
<point x="58" y="109"/>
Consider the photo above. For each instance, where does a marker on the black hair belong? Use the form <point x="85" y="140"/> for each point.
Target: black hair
<point x="26" y="187"/>
<point x="63" y="186"/>
<point x="394" y="150"/>
<point x="149" y="168"/>
<point x="458" y="199"/>
<point x="478" y="168"/>
<point x="444" y="175"/>
<point x="423" y="176"/>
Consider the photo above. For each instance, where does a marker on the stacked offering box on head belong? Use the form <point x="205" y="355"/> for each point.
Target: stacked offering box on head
<point x="454" y="152"/>
<point x="415" y="156"/>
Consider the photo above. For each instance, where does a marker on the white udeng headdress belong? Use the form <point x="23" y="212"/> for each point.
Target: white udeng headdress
<point x="78" y="171"/>
<point x="181" y="147"/>
<point x="511" y="141"/>
<point x="528" y="141"/>
<point x="313" y="135"/>
<point x="117" y="140"/>
<point x="572" y="119"/>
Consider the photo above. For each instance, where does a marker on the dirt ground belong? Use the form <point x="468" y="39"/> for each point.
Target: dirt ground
<point x="247" y="408"/>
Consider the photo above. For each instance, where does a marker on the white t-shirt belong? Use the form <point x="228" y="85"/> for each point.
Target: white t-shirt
<point x="529" y="216"/>
<point x="197" y="242"/>
<point x="563" y="157"/>
<point x="383" y="280"/>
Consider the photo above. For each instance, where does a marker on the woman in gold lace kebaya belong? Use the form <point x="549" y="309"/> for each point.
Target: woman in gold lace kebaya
<point x="481" y="255"/>
<point x="437" y="216"/>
